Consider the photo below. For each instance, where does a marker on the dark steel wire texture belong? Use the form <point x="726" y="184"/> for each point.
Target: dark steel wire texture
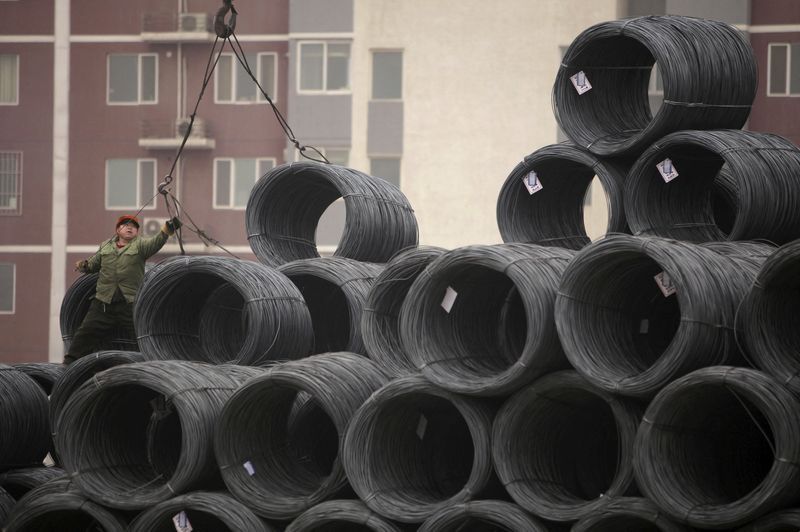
<point x="486" y="515"/>
<point x="220" y="310"/>
<point x="756" y="197"/>
<point x="341" y="515"/>
<point x="628" y="513"/>
<point x="24" y="418"/>
<point x="563" y="448"/>
<point x="500" y="333"/>
<point x="335" y="290"/>
<point x="782" y="520"/>
<point x="708" y="70"/>
<point x="44" y="373"/>
<point x="624" y="335"/>
<point x="286" y="204"/>
<point x="7" y="503"/>
<point x="138" y="434"/>
<point x="553" y="216"/>
<point x="212" y="511"/>
<point x="18" y="482"/>
<point x="718" y="448"/>
<point x="414" y="448"/>
<point x="287" y="427"/>
<point x="380" y="320"/>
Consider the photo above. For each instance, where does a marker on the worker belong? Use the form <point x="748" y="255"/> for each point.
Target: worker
<point x="120" y="262"/>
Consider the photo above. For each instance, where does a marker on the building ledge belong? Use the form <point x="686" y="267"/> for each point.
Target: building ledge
<point x="177" y="36"/>
<point x="175" y="143"/>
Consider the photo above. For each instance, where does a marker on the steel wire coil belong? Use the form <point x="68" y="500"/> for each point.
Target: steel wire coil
<point x="499" y="333"/>
<point x="138" y="434"/>
<point x="335" y="290"/>
<point x="24" y="418"/>
<point x="58" y="506"/>
<point x="563" y="448"/>
<point x="553" y="215"/>
<point x="488" y="515"/>
<point x="178" y="300"/>
<point x="719" y="447"/>
<point x="286" y="204"/>
<point x="621" y="331"/>
<point x="202" y="510"/>
<point x="414" y="448"/>
<point x="18" y="482"/>
<point x="343" y="516"/>
<point x="708" y="70"/>
<point x="766" y="324"/>
<point x="44" y="373"/>
<point x="780" y="521"/>
<point x="762" y="170"/>
<point x="380" y="320"/>
<point x="628" y="513"/>
<point x="281" y="461"/>
<point x="7" y="503"/>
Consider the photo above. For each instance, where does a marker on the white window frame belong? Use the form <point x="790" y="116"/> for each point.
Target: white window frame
<point x="150" y="206"/>
<point x="13" y="290"/>
<point x="232" y="188"/>
<point x="15" y="211"/>
<point x="272" y="91"/>
<point x="138" y="77"/>
<point x="324" y="89"/>
<point x="16" y="75"/>
<point x="786" y="93"/>
<point x="372" y="73"/>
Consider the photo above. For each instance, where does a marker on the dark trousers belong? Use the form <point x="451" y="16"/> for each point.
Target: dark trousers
<point x="103" y="322"/>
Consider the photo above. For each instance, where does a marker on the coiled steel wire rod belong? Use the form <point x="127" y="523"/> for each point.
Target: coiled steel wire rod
<point x="7" y="503"/>
<point x="718" y="448"/>
<point x="282" y="459"/>
<point x="782" y="520"/>
<point x="184" y="309"/>
<point x="380" y="320"/>
<point x="24" y="418"/>
<point x="563" y="448"/>
<point x="341" y="515"/>
<point x="335" y="290"/>
<point x="708" y="70"/>
<point x="44" y="373"/>
<point x="761" y="171"/>
<point x="138" y="434"/>
<point x="553" y="215"/>
<point x="286" y="204"/>
<point x="414" y="448"/>
<point x="482" y="515"/>
<point x="621" y="331"/>
<point x="628" y="513"/>
<point x="498" y="333"/>
<point x="18" y="482"/>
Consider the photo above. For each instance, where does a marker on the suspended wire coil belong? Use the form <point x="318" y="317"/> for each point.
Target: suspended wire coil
<point x="759" y="188"/>
<point x="339" y="515"/>
<point x="286" y="204"/>
<point x="215" y="511"/>
<point x="138" y="434"/>
<point x="621" y="331"/>
<point x="24" y="418"/>
<point x="482" y="515"/>
<point x="708" y="70"/>
<point x="18" y="482"/>
<point x="219" y="310"/>
<point x="499" y="333"/>
<point x="414" y="448"/>
<point x="627" y="513"/>
<point x="282" y="460"/>
<point x="718" y="448"/>
<point x="553" y="215"/>
<point x="335" y="290"/>
<point x="786" y="520"/>
<point x="44" y="373"/>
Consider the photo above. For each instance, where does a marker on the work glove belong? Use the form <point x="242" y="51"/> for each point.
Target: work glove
<point x="82" y="266"/>
<point x="172" y="225"/>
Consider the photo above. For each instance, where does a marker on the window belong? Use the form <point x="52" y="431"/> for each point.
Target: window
<point x="132" y="78"/>
<point x="387" y="75"/>
<point x="337" y="156"/>
<point x="387" y="168"/>
<point x="233" y="85"/>
<point x="130" y="183"/>
<point x="783" y="69"/>
<point x="324" y="67"/>
<point x="234" y="179"/>
<point x="9" y="79"/>
<point x="10" y="182"/>
<point x="7" y="287"/>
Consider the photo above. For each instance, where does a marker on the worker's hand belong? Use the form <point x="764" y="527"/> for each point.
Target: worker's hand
<point x="172" y="225"/>
<point x="82" y="266"/>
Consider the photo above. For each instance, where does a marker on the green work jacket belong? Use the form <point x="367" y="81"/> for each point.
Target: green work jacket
<point x="124" y="267"/>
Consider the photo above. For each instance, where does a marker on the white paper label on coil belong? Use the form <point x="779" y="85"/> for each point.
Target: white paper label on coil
<point x="664" y="283"/>
<point x="181" y="522"/>
<point x="532" y="183"/>
<point x="449" y="298"/>
<point x="422" y="426"/>
<point x="580" y="82"/>
<point x="644" y="326"/>
<point x="667" y="170"/>
<point x="48" y="461"/>
<point x="248" y="466"/>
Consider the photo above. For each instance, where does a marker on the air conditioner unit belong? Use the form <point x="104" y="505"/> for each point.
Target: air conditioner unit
<point x="193" y="22"/>
<point x="151" y="226"/>
<point x="198" y="127"/>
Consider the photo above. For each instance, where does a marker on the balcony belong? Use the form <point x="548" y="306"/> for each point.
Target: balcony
<point x="177" y="27"/>
<point x="168" y="135"/>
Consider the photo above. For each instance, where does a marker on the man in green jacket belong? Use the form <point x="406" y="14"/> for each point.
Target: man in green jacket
<point x="120" y="262"/>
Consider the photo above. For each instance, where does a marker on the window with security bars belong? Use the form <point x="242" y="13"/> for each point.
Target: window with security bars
<point x="10" y="183"/>
<point x="234" y="179"/>
<point x="783" y="67"/>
